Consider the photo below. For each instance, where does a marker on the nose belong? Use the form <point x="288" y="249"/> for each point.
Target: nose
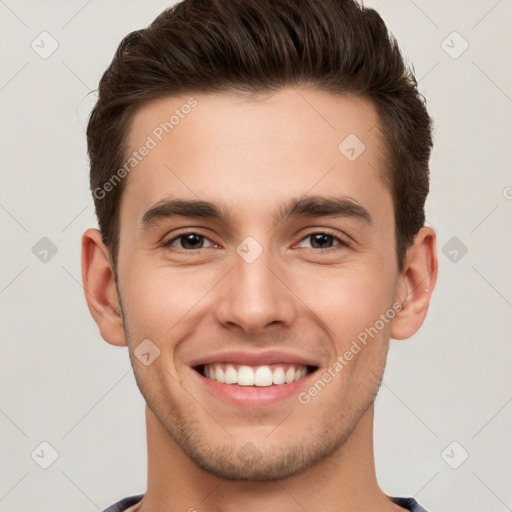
<point x="256" y="296"/>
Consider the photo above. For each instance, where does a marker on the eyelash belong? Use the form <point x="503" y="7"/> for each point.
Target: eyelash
<point x="340" y="241"/>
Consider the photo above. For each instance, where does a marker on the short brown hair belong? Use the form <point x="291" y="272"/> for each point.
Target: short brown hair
<point x="257" y="46"/>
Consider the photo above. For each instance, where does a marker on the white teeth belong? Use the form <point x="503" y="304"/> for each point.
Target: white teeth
<point x="261" y="376"/>
<point x="278" y="376"/>
<point x="245" y="376"/>
<point x="290" y="375"/>
<point x="230" y="375"/>
<point x="219" y="374"/>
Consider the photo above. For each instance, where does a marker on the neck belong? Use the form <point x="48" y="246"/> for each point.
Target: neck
<point x="343" y="481"/>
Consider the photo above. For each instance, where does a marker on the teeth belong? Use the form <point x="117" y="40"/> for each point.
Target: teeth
<point x="245" y="376"/>
<point x="290" y="375"/>
<point x="230" y="375"/>
<point x="278" y="376"/>
<point x="219" y="374"/>
<point x="261" y="376"/>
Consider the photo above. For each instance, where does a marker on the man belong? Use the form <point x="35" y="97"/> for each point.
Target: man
<point x="259" y="170"/>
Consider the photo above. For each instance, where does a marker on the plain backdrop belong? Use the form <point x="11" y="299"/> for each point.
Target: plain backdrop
<point x="444" y="412"/>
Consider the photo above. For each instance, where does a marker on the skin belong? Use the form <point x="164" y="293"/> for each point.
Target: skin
<point x="253" y="154"/>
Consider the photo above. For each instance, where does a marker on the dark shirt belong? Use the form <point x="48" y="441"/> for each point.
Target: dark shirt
<point x="407" y="503"/>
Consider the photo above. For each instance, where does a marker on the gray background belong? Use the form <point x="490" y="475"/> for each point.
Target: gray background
<point x="60" y="383"/>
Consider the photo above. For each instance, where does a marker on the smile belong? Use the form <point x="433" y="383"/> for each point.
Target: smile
<point x="259" y="376"/>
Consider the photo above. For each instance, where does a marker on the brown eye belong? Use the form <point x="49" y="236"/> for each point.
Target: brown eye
<point x="188" y="241"/>
<point x="321" y="240"/>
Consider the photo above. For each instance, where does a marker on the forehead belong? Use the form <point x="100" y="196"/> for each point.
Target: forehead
<point x="255" y="149"/>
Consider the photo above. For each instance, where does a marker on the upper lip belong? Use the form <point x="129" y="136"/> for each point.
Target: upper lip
<point x="260" y="358"/>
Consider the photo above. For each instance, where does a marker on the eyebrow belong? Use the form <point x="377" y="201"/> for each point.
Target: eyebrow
<point x="304" y="206"/>
<point x="321" y="206"/>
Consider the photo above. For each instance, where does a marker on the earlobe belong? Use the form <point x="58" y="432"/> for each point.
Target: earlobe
<point x="416" y="284"/>
<point x="100" y="289"/>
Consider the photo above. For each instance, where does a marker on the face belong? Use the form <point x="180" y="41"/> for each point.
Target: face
<point x="277" y="279"/>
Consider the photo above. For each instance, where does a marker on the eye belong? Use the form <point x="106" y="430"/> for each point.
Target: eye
<point x="322" y="240"/>
<point x="189" y="241"/>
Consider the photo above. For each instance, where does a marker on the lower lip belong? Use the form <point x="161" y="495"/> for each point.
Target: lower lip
<point x="254" y="396"/>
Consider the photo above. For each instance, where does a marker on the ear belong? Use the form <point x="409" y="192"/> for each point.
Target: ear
<point x="100" y="289"/>
<point x="415" y="284"/>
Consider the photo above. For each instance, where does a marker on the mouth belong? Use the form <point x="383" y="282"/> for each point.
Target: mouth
<point x="255" y="376"/>
<point x="254" y="379"/>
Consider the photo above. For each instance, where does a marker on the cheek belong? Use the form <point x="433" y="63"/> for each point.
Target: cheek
<point x="158" y="298"/>
<point x="347" y="300"/>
